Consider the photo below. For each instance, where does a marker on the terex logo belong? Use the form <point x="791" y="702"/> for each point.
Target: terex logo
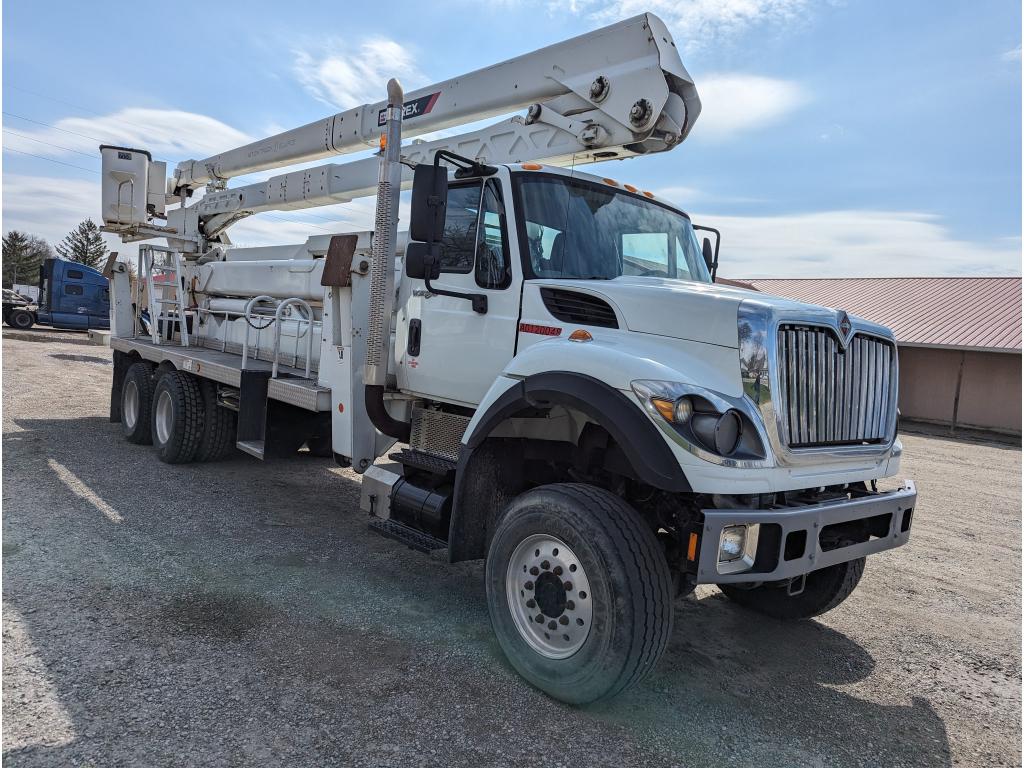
<point x="414" y="108"/>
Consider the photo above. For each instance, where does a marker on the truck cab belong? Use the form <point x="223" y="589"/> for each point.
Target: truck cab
<point x="72" y="296"/>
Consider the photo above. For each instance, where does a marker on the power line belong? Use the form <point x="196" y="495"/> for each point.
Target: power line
<point x="50" y="160"/>
<point x="50" y="144"/>
<point x="48" y="125"/>
<point x="68" y="104"/>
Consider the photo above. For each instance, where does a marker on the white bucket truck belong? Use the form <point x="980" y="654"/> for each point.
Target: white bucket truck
<point x="545" y="356"/>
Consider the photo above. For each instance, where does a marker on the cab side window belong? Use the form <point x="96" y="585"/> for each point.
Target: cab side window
<point x="459" y="238"/>
<point x="492" y="262"/>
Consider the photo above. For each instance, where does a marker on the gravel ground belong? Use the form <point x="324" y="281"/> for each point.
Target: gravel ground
<point x="240" y="613"/>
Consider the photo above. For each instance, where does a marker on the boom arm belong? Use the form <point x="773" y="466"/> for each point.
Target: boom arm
<point x="615" y="92"/>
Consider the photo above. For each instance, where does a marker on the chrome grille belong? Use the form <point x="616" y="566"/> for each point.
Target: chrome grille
<point x="831" y="395"/>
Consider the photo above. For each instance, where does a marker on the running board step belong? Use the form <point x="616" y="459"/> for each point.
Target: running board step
<point x="412" y="538"/>
<point x="428" y="462"/>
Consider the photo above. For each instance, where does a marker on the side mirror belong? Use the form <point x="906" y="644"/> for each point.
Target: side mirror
<point x="429" y="194"/>
<point x="709" y="253"/>
<point x="421" y="263"/>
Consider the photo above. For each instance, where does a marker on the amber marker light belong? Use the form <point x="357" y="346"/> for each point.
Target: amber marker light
<point x="610" y="182"/>
<point x="531" y="166"/>
<point x="645" y="193"/>
<point x="580" y="335"/>
<point x="665" y="407"/>
<point x="691" y="548"/>
<point x="629" y="187"/>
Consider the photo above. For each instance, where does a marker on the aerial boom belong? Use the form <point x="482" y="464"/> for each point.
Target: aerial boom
<point x="629" y="69"/>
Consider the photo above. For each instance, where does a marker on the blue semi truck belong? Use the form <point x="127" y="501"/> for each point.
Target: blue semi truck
<point x="72" y="296"/>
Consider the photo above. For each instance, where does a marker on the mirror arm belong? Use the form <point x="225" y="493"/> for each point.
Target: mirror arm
<point x="478" y="300"/>
<point x="718" y="242"/>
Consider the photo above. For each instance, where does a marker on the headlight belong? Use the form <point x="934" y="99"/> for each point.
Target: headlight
<point x="737" y="547"/>
<point x="730" y="546"/>
<point x="706" y="423"/>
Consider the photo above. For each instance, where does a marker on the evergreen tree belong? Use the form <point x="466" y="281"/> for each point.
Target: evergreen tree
<point x="22" y="256"/>
<point x="84" y="244"/>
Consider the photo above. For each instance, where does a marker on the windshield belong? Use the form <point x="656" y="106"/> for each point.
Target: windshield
<point x="578" y="229"/>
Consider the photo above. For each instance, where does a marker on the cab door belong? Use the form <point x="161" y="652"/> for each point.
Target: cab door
<point x="444" y="349"/>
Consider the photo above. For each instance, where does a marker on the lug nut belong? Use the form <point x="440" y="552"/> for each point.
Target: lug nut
<point x="563" y="620"/>
<point x="531" y="603"/>
<point x="557" y="570"/>
<point x="545" y="565"/>
<point x="528" y="585"/>
<point x="568" y="586"/>
<point x="534" y="571"/>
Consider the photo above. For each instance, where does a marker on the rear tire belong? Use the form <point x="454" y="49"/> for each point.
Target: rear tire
<point x="219" y="426"/>
<point x="581" y="560"/>
<point x="178" y="417"/>
<point x="823" y="591"/>
<point x="21" y="320"/>
<point x="137" y="403"/>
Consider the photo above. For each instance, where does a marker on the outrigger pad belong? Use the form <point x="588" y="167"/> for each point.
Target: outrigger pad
<point x="338" y="264"/>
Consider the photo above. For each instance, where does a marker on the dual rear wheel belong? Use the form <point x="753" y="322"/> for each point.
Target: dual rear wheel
<point x="177" y="413"/>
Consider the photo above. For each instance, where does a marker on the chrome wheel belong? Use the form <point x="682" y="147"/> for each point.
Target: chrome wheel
<point x="164" y="418"/>
<point x="130" y="404"/>
<point x="549" y="596"/>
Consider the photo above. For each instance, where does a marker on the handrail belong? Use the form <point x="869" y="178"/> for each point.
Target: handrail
<point x="277" y="332"/>
<point x="248" y="311"/>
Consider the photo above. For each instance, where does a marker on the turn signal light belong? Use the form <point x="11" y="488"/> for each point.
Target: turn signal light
<point x="580" y="335"/>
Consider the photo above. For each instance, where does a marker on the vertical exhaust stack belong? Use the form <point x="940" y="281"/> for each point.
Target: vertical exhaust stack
<point x="382" y="269"/>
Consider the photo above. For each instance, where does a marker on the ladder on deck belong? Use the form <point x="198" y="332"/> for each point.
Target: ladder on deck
<point x="164" y="297"/>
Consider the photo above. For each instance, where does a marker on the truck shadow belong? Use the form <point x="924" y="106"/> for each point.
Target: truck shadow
<point x="263" y="579"/>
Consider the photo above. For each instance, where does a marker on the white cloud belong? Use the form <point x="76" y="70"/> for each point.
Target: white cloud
<point x="734" y="103"/>
<point x="1011" y="55"/>
<point x="346" y="76"/>
<point x="164" y="132"/>
<point x="696" y="23"/>
<point x="852" y="243"/>
<point x="47" y="206"/>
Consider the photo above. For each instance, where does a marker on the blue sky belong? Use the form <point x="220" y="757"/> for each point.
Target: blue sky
<point x="837" y="138"/>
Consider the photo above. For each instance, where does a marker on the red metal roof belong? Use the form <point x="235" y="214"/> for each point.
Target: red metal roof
<point x="960" y="312"/>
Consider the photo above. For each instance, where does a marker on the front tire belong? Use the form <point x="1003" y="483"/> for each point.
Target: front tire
<point x="178" y="417"/>
<point x="579" y="592"/>
<point x="823" y="590"/>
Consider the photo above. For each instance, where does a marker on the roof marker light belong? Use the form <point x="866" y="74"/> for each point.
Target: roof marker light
<point x="610" y="182"/>
<point x="531" y="166"/>
<point x="630" y="187"/>
<point x="648" y="194"/>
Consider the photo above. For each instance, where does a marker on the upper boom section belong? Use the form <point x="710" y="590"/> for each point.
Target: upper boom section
<point x="630" y="72"/>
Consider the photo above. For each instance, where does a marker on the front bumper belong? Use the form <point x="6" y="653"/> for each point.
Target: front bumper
<point x="790" y="540"/>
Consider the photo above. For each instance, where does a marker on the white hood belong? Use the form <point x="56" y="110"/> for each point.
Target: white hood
<point x="679" y="309"/>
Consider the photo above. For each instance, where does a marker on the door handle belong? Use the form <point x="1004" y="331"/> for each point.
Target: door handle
<point x="415" y="333"/>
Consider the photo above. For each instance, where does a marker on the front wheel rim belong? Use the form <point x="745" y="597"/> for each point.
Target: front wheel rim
<point x="130" y="409"/>
<point x="164" y="417"/>
<point x="549" y="596"/>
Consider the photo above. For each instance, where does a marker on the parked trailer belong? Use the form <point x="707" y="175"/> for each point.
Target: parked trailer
<point x="544" y="356"/>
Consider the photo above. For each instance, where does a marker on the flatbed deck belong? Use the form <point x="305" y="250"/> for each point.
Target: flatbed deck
<point x="291" y="385"/>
